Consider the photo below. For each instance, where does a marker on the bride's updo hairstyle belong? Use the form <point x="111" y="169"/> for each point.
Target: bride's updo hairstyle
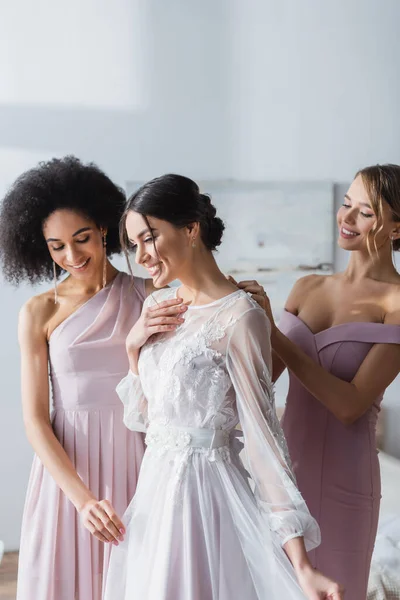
<point x="177" y="200"/>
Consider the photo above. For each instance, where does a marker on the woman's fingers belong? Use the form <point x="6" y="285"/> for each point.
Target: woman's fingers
<point x="252" y="286"/>
<point x="166" y="304"/>
<point x="117" y="523"/>
<point x="246" y="283"/>
<point x="165" y="318"/>
<point x="100" y="518"/>
<point x="231" y="279"/>
<point x="109" y="529"/>
<point x="96" y="533"/>
<point x="174" y="311"/>
<point x="161" y="329"/>
<point x="167" y="312"/>
<point x="165" y="321"/>
<point x="99" y="527"/>
<point x="260" y="300"/>
<point x="255" y="289"/>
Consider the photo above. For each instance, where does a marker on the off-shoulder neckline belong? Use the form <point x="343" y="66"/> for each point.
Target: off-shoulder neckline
<point x="371" y="324"/>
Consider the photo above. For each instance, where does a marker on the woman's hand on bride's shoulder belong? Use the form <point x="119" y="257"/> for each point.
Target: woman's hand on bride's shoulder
<point x="165" y="316"/>
<point x="318" y="587"/>
<point x="258" y="294"/>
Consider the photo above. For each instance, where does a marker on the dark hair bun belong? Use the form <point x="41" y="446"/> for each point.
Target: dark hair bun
<point x="212" y="228"/>
<point x="177" y="200"/>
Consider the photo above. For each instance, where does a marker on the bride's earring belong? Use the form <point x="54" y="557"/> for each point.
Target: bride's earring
<point x="194" y="243"/>
<point x="55" y="283"/>
<point x="104" y="259"/>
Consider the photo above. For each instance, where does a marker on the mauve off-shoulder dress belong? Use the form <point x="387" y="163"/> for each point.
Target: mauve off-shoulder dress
<point x="336" y="466"/>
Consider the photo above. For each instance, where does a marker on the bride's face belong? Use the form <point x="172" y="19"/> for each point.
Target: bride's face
<point x="164" y="250"/>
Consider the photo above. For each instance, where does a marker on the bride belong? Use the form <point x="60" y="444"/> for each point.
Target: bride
<point x="197" y="529"/>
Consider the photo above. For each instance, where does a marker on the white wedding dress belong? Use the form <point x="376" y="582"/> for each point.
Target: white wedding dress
<point x="197" y="529"/>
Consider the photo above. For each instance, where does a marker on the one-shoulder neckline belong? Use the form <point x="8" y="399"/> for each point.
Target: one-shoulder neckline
<point x="339" y="325"/>
<point x="82" y="306"/>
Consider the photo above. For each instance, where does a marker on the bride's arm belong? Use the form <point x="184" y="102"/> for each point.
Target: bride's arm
<point x="249" y="362"/>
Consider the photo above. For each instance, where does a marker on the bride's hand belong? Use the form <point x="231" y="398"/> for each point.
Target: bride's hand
<point x="318" y="587"/>
<point x="166" y="316"/>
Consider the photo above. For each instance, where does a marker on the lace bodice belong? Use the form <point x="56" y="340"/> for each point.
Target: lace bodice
<point x="184" y="375"/>
<point x="213" y="372"/>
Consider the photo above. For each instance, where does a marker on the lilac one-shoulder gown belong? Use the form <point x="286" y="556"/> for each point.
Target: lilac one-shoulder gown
<point x="59" y="558"/>
<point x="336" y="466"/>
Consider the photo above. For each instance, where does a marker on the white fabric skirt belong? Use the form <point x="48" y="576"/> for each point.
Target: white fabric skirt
<point x="195" y="532"/>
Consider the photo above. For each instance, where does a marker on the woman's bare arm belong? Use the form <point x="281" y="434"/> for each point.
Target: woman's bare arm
<point x="35" y="403"/>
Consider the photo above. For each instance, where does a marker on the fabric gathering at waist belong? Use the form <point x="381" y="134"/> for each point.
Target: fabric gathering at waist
<point x="179" y="438"/>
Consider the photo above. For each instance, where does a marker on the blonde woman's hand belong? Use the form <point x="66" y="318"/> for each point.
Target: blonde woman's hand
<point x="258" y="294"/>
<point x="100" y="518"/>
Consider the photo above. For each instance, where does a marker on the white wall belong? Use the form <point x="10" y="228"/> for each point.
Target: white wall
<point x="316" y="88"/>
<point x="257" y="90"/>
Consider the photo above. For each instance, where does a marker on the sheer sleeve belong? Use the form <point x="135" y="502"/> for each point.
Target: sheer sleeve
<point x="135" y="404"/>
<point x="249" y="365"/>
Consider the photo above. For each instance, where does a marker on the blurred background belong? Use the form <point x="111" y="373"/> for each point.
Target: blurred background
<point x="272" y="105"/>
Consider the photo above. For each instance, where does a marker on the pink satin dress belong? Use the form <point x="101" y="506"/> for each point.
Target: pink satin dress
<point x="59" y="558"/>
<point x="336" y="466"/>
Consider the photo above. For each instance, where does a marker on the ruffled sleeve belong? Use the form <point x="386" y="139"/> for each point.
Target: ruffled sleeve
<point x="266" y="454"/>
<point x="135" y="404"/>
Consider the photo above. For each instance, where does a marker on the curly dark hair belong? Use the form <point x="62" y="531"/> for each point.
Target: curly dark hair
<point x="61" y="183"/>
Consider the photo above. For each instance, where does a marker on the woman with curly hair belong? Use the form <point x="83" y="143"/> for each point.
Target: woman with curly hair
<point x="62" y="217"/>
